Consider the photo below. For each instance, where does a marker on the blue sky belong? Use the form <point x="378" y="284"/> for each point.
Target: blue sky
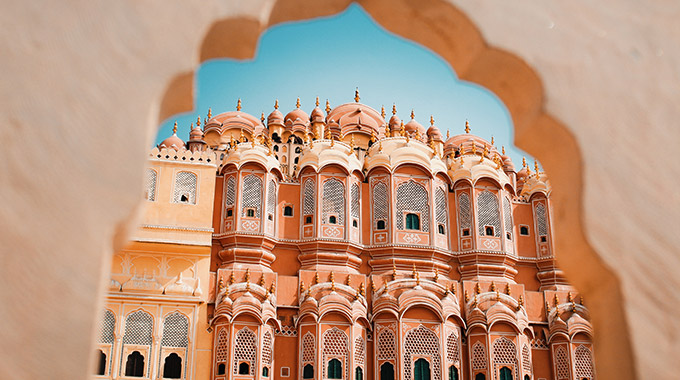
<point x="329" y="57"/>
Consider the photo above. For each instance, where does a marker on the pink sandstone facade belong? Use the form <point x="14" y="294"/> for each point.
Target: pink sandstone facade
<point x="341" y="245"/>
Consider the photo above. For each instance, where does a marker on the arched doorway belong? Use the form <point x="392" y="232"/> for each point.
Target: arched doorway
<point x="387" y="371"/>
<point x="134" y="366"/>
<point x="172" y="369"/>
<point x="421" y="370"/>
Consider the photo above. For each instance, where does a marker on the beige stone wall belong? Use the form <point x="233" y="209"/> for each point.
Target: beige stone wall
<point x="592" y="88"/>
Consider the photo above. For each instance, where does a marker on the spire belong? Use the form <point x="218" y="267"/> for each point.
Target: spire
<point x="276" y="104"/>
<point x="448" y="134"/>
<point x="413" y="114"/>
<point x="524" y="162"/>
<point x="317" y="101"/>
<point x="507" y="289"/>
<point x="415" y="271"/>
<point x="302" y="286"/>
<point x="492" y="141"/>
<point x="262" y="118"/>
<point x="536" y="167"/>
<point x="432" y="120"/>
<point x="394" y="271"/>
<point x="436" y="274"/>
<point x="467" y="126"/>
<point x="332" y="282"/>
<point x="403" y="129"/>
<point x="209" y="113"/>
<point x="394" y="109"/>
<point x="238" y="105"/>
<point x="503" y="150"/>
<point x="356" y="95"/>
<point x="174" y="129"/>
<point x="328" y="107"/>
<point x="297" y="103"/>
<point x="198" y="122"/>
<point x="382" y="112"/>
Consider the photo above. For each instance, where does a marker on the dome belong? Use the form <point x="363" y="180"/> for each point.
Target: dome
<point x="317" y="114"/>
<point x="173" y="141"/>
<point x="297" y="114"/>
<point x="276" y="117"/>
<point x="414" y="127"/>
<point x="434" y="133"/>
<point x="196" y="134"/>
<point x="356" y="117"/>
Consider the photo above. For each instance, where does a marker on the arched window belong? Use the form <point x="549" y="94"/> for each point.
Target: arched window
<point x="380" y="205"/>
<point x="440" y="203"/>
<point x="151" y="184"/>
<point x="333" y="201"/>
<point x="527" y="377"/>
<point x="453" y="373"/>
<point x="185" y="188"/>
<point x="243" y="368"/>
<point x="524" y="230"/>
<point x="134" y="366"/>
<point x="308" y="372"/>
<point x="172" y="369"/>
<point x="358" y="374"/>
<point x="288" y="211"/>
<point x="387" y="371"/>
<point x="250" y="213"/>
<point x="354" y="199"/>
<point x="309" y="203"/>
<point x="175" y="330"/>
<point x="332" y="219"/>
<point x="507" y="217"/>
<point x="101" y="363"/>
<point x="464" y="215"/>
<point x="421" y="370"/>
<point x="251" y="195"/>
<point x="480" y="376"/>
<point x="441" y="230"/>
<point x="505" y="373"/>
<point x="271" y="199"/>
<point x="265" y="372"/>
<point x="276" y="148"/>
<point x="488" y="214"/>
<point x="412" y="221"/>
<point x="334" y="369"/>
<point x="221" y="369"/>
<point x="380" y="225"/>
<point x="541" y="222"/>
<point x="412" y="197"/>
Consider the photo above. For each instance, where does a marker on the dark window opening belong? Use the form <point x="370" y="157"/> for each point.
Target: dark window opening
<point x="508" y="235"/>
<point x="298" y="150"/>
<point x="134" y="366"/>
<point x="230" y="212"/>
<point x="276" y="148"/>
<point x="506" y="373"/>
<point x="101" y="366"/>
<point x="526" y="377"/>
<point x="441" y="229"/>
<point x="270" y="217"/>
<point x="244" y="368"/>
<point x="221" y="369"/>
<point x="466" y="232"/>
<point x="380" y="225"/>
<point x="334" y="369"/>
<point x="355" y="223"/>
<point x="332" y="219"/>
<point x="308" y="219"/>
<point x="488" y="230"/>
<point x="412" y="222"/>
<point x="172" y="369"/>
<point x="265" y="372"/>
<point x="421" y="370"/>
<point x="250" y="213"/>
<point x="387" y="371"/>
<point x="287" y="211"/>
<point x="524" y="230"/>
<point x="480" y="376"/>
<point x="184" y="198"/>
<point x="453" y="373"/>
<point x="544" y="239"/>
<point x="358" y="374"/>
<point x="296" y="160"/>
<point x="308" y="372"/>
<point x="276" y="138"/>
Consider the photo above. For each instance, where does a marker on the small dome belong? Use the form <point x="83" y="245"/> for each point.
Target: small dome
<point x="434" y="134"/>
<point x="413" y="126"/>
<point x="276" y="117"/>
<point x="196" y="134"/>
<point x="173" y="142"/>
<point x="294" y="115"/>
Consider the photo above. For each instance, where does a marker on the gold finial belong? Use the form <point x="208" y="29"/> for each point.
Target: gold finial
<point x="332" y="282"/>
<point x="362" y="290"/>
<point x="503" y="150"/>
<point x="306" y="139"/>
<point x="467" y="296"/>
<point x="394" y="109"/>
<point x="311" y="144"/>
<point x="547" y="308"/>
<point x="302" y="286"/>
<point x="536" y="167"/>
<point x="348" y="282"/>
<point x="317" y="101"/>
<point x="485" y="153"/>
<point x="221" y="286"/>
<point x="328" y="133"/>
<point x="492" y="140"/>
<point x="209" y="113"/>
<point x="174" y="128"/>
<point x="467" y="126"/>
<point x="198" y="121"/>
<point x="387" y="129"/>
<point x="580" y="301"/>
<point x="351" y="144"/>
<point x="269" y="146"/>
<point x="385" y="289"/>
<point x="497" y="160"/>
<point x="418" y="136"/>
<point x="372" y="136"/>
<point x="524" y="162"/>
<point x="356" y="95"/>
<point x="453" y="288"/>
<point x="297" y="103"/>
<point x="436" y="274"/>
<point x="413" y="114"/>
<point x="478" y="289"/>
<point x="373" y="289"/>
<point x="262" y="117"/>
<point x="498" y="295"/>
<point x="276" y="104"/>
<point x="507" y="289"/>
<point x="328" y="107"/>
<point x="417" y="279"/>
<point x="262" y="280"/>
<point x="379" y="146"/>
<point x="569" y="297"/>
<point x="272" y="288"/>
<point x="231" y="278"/>
<point x="382" y="112"/>
<point x="520" y="302"/>
<point x="556" y="300"/>
<point x="448" y="134"/>
<point x="474" y="148"/>
<point x="238" y="105"/>
<point x="248" y="274"/>
<point x="432" y="120"/>
<point x="394" y="271"/>
<point x="474" y="301"/>
<point x="332" y="141"/>
<point x="414" y="270"/>
<point x="403" y="129"/>
<point x="316" y="278"/>
<point x="493" y="286"/>
<point x="242" y="138"/>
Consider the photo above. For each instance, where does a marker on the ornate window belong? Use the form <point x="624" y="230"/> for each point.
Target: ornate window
<point x="308" y="371"/>
<point x="358" y="374"/>
<point x="230" y="197"/>
<point x="507" y="217"/>
<point x="308" y="355"/>
<point x="172" y="367"/>
<point x="561" y="363"/>
<point x="464" y="214"/>
<point x="359" y="352"/>
<point x="478" y="356"/>
<point x="309" y="203"/>
<point x="504" y="356"/>
<point x="138" y="328"/>
<point x="421" y="370"/>
<point x="386" y="345"/>
<point x="488" y="214"/>
<point x="412" y="222"/>
<point x="271" y="200"/>
<point x="335" y="345"/>
<point x="267" y="343"/>
<point x="185" y="188"/>
<point x="541" y="222"/>
<point x="222" y="349"/>
<point x="354" y="201"/>
<point x="101" y="363"/>
<point x="412" y="198"/>
<point x="387" y="371"/>
<point x="333" y="201"/>
<point x="151" y="184"/>
<point x="251" y="195"/>
<point x="583" y="363"/>
<point x="134" y="365"/>
<point x="453" y="373"/>
<point x="505" y="373"/>
<point x="175" y="330"/>
<point x="526" y="358"/>
<point x="245" y="352"/>
<point x="106" y="326"/>
<point x="380" y="207"/>
<point x="288" y="211"/>
<point x="452" y="353"/>
<point x="440" y="203"/>
<point x="421" y="341"/>
<point x="334" y="369"/>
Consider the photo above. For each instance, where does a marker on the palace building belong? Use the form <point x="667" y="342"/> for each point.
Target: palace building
<point x="340" y="245"/>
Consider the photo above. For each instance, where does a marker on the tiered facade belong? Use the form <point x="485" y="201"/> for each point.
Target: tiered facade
<point x="341" y="245"/>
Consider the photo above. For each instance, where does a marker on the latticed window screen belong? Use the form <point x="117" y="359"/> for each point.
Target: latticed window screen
<point x="267" y="342"/>
<point x="541" y="220"/>
<point x="505" y="353"/>
<point x="464" y="214"/>
<point x="526" y="358"/>
<point x="354" y="198"/>
<point x="335" y="344"/>
<point x="421" y="341"/>
<point x="106" y="326"/>
<point x="507" y="215"/>
<point x="412" y="197"/>
<point x="230" y="197"/>
<point x="251" y="194"/>
<point x="151" y="184"/>
<point x="271" y="197"/>
<point x="308" y="348"/>
<point x="222" y="349"/>
<point x="359" y="352"/>
<point x="245" y="349"/>
<point x="583" y="362"/>
<point x="333" y="200"/>
<point x="561" y="363"/>
<point x="488" y="213"/>
<point x="380" y="208"/>
<point x="478" y="356"/>
<point x="175" y="330"/>
<point x="452" y="353"/>
<point x="138" y="328"/>
<point x="309" y="204"/>
<point x="387" y="347"/>
<point x="440" y="203"/>
<point x="185" y="186"/>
